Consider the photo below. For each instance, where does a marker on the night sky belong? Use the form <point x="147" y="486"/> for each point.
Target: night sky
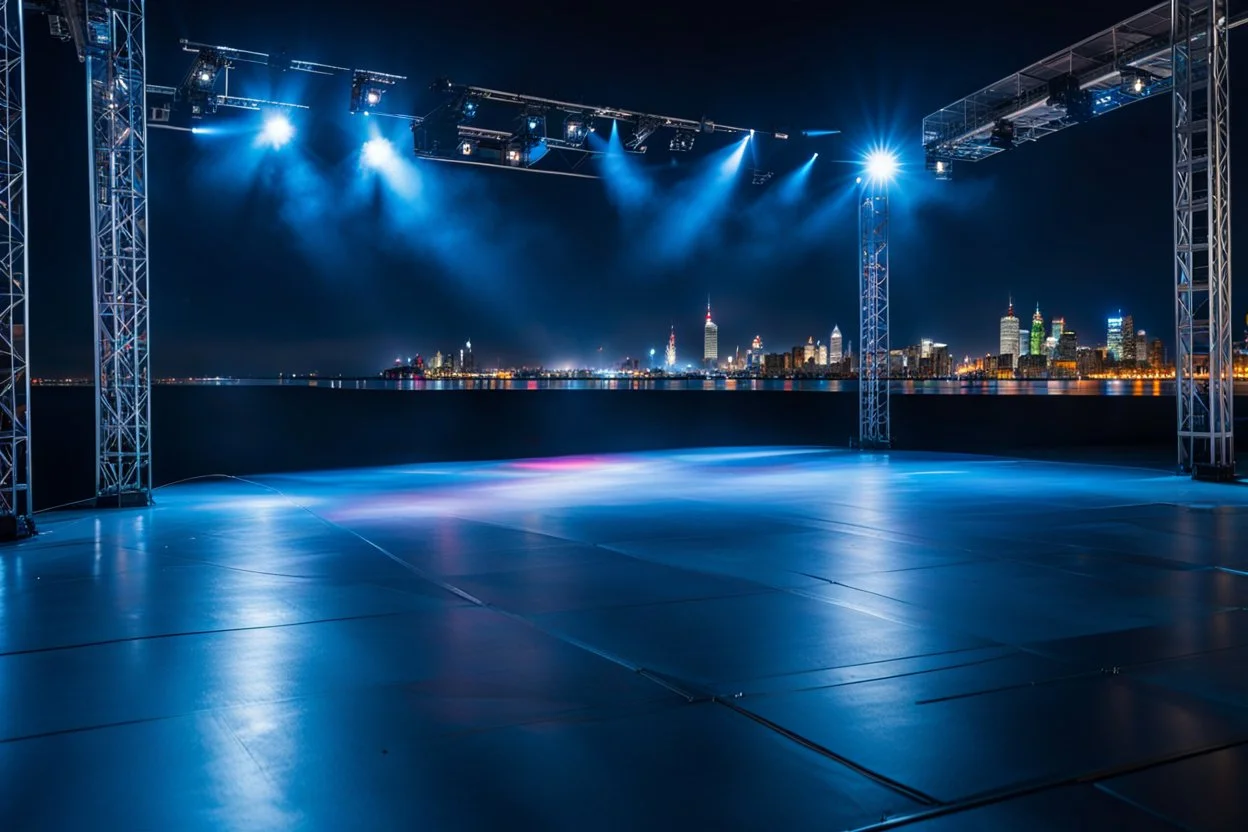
<point x="265" y="262"/>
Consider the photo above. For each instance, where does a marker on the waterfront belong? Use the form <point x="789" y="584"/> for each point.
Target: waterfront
<point x="929" y="387"/>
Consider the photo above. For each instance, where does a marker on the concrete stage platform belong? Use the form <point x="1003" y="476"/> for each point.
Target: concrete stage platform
<point x="744" y="639"/>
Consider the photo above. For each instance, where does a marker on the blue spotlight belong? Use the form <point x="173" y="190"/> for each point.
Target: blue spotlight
<point x="378" y="154"/>
<point x="882" y="166"/>
<point x="816" y="156"/>
<point x="277" y="131"/>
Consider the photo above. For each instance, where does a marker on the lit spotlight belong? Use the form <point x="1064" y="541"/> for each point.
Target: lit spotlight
<point x="751" y="134"/>
<point x="881" y="166"/>
<point x="378" y="153"/>
<point x="205" y="76"/>
<point x="277" y="131"/>
<point x="374" y="98"/>
<point x="816" y="156"/>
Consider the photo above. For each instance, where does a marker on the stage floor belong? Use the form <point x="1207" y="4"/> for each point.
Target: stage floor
<point x="748" y="638"/>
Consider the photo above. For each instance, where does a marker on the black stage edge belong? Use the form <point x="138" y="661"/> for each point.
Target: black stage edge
<point x="206" y="430"/>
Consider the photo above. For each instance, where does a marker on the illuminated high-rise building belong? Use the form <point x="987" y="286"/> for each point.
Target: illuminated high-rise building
<point x="821" y="355"/>
<point x="1056" y="327"/>
<point x="808" y="351"/>
<point x="1037" y="332"/>
<point x="669" y="355"/>
<point x="437" y="360"/>
<point x="835" y="345"/>
<point x="1010" y="336"/>
<point x="756" y="352"/>
<point x="710" y="339"/>
<point x="1113" y="337"/>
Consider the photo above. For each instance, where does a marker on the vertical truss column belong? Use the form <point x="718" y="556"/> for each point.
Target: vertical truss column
<point x="15" y="495"/>
<point x="873" y="429"/>
<point x="1202" y="239"/>
<point x="117" y="130"/>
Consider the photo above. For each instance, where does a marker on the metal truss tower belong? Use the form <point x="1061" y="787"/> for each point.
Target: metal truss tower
<point x="1176" y="48"/>
<point x="1202" y="238"/>
<point x="15" y="494"/>
<point x="873" y="428"/>
<point x="117" y="128"/>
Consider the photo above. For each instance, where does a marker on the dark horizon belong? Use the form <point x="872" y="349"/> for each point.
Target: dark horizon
<point x="287" y="261"/>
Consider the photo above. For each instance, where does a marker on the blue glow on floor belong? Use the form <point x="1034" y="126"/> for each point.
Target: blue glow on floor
<point x="636" y="641"/>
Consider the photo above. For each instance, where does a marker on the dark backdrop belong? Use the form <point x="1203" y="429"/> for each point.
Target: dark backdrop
<point x="251" y="430"/>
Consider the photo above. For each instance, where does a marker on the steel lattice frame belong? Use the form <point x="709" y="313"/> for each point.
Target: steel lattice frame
<point x="873" y="428"/>
<point x="1202" y="237"/>
<point x="15" y="495"/>
<point x="118" y="146"/>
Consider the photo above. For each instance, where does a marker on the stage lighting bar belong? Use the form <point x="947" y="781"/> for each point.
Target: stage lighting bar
<point x="645" y="124"/>
<point x="280" y="61"/>
<point x="367" y="88"/>
<point x="160" y="113"/>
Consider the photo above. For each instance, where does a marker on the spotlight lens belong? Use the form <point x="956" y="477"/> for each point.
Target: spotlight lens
<point x="881" y="165"/>
<point x="374" y="97"/>
<point x="205" y="76"/>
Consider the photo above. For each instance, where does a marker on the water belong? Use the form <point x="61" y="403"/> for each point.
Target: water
<point x="942" y="387"/>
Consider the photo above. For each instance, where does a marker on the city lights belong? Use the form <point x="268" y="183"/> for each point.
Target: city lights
<point x="277" y="131"/>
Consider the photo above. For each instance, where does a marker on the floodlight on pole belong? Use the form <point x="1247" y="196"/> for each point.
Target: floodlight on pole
<point x="882" y="166"/>
<point x="873" y="354"/>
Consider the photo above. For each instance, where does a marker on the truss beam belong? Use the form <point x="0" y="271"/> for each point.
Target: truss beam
<point x="117" y="136"/>
<point x="873" y="404"/>
<point x="1204" y="357"/>
<point x="15" y="494"/>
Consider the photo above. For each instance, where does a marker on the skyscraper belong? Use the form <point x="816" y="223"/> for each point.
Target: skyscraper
<point x="1037" y="332"/>
<point x="710" y="339"/>
<point x="669" y="355"/>
<point x="821" y="355"/>
<point x="808" y="351"/>
<point x="1113" y="337"/>
<point x="1128" y="340"/>
<point x="1010" y="336"/>
<point x="835" y="345"/>
<point x="1056" y="327"/>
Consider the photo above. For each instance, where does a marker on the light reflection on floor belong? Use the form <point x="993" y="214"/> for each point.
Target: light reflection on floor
<point x="744" y="638"/>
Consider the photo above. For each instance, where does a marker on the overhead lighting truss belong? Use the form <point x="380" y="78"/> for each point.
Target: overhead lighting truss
<point x="1177" y="48"/>
<point x="450" y="133"/>
<point x="367" y="86"/>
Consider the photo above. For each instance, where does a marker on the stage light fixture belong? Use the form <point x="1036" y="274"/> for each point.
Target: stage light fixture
<point x="682" y="142"/>
<point x="575" y="129"/>
<point x="466" y="147"/>
<point x="367" y="89"/>
<point x="940" y="168"/>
